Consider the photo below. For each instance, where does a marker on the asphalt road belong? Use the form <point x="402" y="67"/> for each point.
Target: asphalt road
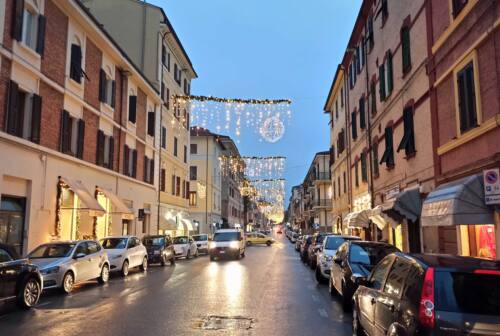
<point x="269" y="292"/>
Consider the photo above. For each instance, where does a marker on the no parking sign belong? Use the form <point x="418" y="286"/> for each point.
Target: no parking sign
<point x="492" y="186"/>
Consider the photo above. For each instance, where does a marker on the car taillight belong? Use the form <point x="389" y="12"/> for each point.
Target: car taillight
<point x="426" y="311"/>
<point x="489" y="272"/>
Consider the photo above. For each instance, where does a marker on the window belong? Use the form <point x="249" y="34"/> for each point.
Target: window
<point x="167" y="98"/>
<point x="457" y="6"/>
<point x="373" y="97"/>
<point x="378" y="274"/>
<point x="72" y="135"/>
<point x="388" y="156"/>
<point x="185" y="154"/>
<point x="165" y="57"/>
<point x="384" y="9"/>
<point x="369" y="30"/>
<point x="354" y="126"/>
<point x="162" y="91"/>
<point x="129" y="161"/>
<point x="381" y="81"/>
<point x="336" y="109"/>
<point x="408" y="141"/>
<point x="396" y="278"/>
<point x="30" y="28"/>
<point x="75" y="68"/>
<point x="194" y="148"/>
<point x="341" y="142"/>
<point x="356" y="173"/>
<point x="187" y="87"/>
<point x="192" y="198"/>
<point x="163" y="180"/>
<point x="149" y="170"/>
<point x="105" y="150"/>
<point x="342" y="97"/>
<point x="193" y="173"/>
<point x="132" y="109"/>
<point x="163" y="137"/>
<point x="106" y="88"/>
<point x="345" y="183"/>
<point x="405" y="49"/>
<point x="332" y="155"/>
<point x="175" y="146"/>
<point x="177" y="74"/>
<point x="467" y="98"/>
<point x="23" y="113"/>
<point x="177" y="186"/>
<point x="364" y="171"/>
<point x="173" y="184"/>
<point x="151" y="124"/>
<point x="386" y="77"/>
<point x="375" y="158"/>
<point x="362" y="117"/>
<point x="338" y="184"/>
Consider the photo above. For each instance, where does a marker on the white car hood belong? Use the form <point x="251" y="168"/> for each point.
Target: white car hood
<point x="329" y="253"/>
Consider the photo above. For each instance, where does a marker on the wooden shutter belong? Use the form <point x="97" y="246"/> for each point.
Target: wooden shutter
<point x="113" y="94"/>
<point x="162" y="180"/>
<point x="462" y="100"/>
<point x="178" y="186"/>
<point x="146" y="169"/>
<point x="364" y="171"/>
<point x="152" y="171"/>
<point x="173" y="184"/>
<point x="389" y="73"/>
<point x="81" y="139"/>
<point x="362" y="119"/>
<point x="36" y="118"/>
<point x="126" y="159"/>
<point x="17" y="19"/>
<point x="471" y="95"/>
<point x="12" y="108"/>
<point x="356" y="172"/>
<point x="111" y="152"/>
<point x="132" y="108"/>
<point x="75" y="71"/>
<point x="65" y="132"/>
<point x="373" y="97"/>
<point x="134" y="163"/>
<point x="40" y="41"/>
<point x="151" y="124"/>
<point x="405" y="48"/>
<point x="388" y="156"/>
<point x="102" y="86"/>
<point x="375" y="158"/>
<point x="381" y="81"/>
<point x="354" y="125"/>
<point x="408" y="141"/>
<point x="100" y="148"/>
<point x="167" y="98"/>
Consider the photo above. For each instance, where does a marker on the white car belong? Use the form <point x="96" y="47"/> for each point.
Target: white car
<point x="325" y="255"/>
<point x="124" y="253"/>
<point x="201" y="241"/>
<point x="227" y="242"/>
<point x="185" y="246"/>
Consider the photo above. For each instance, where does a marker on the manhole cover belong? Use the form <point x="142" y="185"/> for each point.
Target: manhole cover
<point x="215" y="322"/>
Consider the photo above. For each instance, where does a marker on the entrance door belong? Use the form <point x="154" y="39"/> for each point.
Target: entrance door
<point x="12" y="213"/>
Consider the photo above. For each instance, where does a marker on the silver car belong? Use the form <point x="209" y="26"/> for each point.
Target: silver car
<point x="124" y="253"/>
<point x="66" y="263"/>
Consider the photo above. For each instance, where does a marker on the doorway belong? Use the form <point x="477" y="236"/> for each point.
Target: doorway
<point x="12" y="215"/>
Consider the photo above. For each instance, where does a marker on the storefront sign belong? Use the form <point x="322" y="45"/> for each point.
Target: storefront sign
<point x="491" y="186"/>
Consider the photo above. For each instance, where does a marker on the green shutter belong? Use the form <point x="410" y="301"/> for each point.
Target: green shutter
<point x="381" y="81"/>
<point x="405" y="46"/>
<point x="389" y="73"/>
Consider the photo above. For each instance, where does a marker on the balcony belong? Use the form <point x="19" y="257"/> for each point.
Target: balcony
<point x="322" y="203"/>
<point x="322" y="177"/>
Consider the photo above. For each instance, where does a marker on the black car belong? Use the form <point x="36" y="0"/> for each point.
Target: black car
<point x="429" y="294"/>
<point x="19" y="280"/>
<point x="160" y="249"/>
<point x="355" y="258"/>
<point x="304" y="248"/>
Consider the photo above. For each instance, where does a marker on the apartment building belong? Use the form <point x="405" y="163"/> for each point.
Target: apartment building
<point x="76" y="117"/>
<point x="154" y="47"/>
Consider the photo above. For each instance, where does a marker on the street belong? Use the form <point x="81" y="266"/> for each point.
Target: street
<point x="269" y="292"/>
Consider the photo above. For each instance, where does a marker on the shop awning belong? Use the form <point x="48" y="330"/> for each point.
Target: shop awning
<point x="118" y="206"/>
<point x="381" y="219"/>
<point x="457" y="203"/>
<point x="406" y="204"/>
<point x="88" y="202"/>
<point x="358" y="219"/>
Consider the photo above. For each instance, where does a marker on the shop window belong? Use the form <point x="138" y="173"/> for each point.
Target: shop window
<point x="192" y="198"/>
<point x="23" y="113"/>
<point x="12" y="217"/>
<point x="408" y="141"/>
<point x="388" y="156"/>
<point x="72" y="135"/>
<point x="105" y="150"/>
<point x="193" y="173"/>
<point x="467" y="98"/>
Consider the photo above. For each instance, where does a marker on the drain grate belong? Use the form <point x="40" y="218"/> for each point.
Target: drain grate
<point x="214" y="322"/>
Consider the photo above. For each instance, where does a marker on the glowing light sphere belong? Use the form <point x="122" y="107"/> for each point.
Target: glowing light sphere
<point x="272" y="130"/>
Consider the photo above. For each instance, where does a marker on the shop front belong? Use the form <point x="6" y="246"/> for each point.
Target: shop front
<point x="117" y="217"/>
<point x="358" y="224"/>
<point x="175" y="222"/>
<point x="465" y="224"/>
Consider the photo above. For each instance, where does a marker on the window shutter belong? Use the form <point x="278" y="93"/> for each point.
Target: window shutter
<point x="152" y="171"/>
<point x="102" y="86"/>
<point x="151" y="124"/>
<point x="81" y="138"/>
<point x="173" y="184"/>
<point x="162" y="180"/>
<point x="146" y="169"/>
<point x="100" y="148"/>
<point x="471" y="96"/>
<point x="134" y="163"/>
<point x="375" y="158"/>
<point x="12" y="109"/>
<point x="356" y="173"/>
<point x="167" y="98"/>
<point x="362" y="118"/>
<point x="381" y="81"/>
<point x="364" y="172"/>
<point x="373" y="97"/>
<point x="132" y="108"/>
<point x="65" y="131"/>
<point x="111" y="152"/>
<point x="389" y="73"/>
<point x="40" y="42"/>
<point x="188" y="185"/>
<point x="126" y="158"/>
<point x="354" y="125"/>
<point x="36" y="118"/>
<point x="405" y="48"/>
<point x="113" y="94"/>
<point x="75" y="71"/>
<point x="17" y="20"/>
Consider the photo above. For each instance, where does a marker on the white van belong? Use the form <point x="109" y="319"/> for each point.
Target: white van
<point x="227" y="242"/>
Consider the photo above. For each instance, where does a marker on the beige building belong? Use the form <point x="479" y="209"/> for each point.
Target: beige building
<point x="153" y="45"/>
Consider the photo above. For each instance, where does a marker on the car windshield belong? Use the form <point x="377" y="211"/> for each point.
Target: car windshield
<point x="154" y="241"/>
<point x="181" y="240"/>
<point x="333" y="243"/>
<point x="226" y="236"/>
<point x="52" y="251"/>
<point x="114" y="243"/>
<point x="468" y="293"/>
<point x="369" y="254"/>
<point x="200" y="238"/>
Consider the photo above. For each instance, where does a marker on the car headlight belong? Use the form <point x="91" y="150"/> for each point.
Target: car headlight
<point x="117" y="256"/>
<point x="156" y="252"/>
<point x="234" y="244"/>
<point x="50" y="270"/>
<point x="211" y="245"/>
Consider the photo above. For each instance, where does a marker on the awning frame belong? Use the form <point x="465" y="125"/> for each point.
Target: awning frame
<point x="93" y="206"/>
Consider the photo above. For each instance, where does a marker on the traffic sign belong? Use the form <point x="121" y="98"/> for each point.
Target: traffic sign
<point x="491" y="179"/>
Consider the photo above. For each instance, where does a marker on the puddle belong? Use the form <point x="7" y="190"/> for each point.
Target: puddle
<point x="215" y="322"/>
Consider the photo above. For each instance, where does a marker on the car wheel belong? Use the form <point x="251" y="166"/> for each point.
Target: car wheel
<point x="357" y="329"/>
<point x="144" y="266"/>
<point x="68" y="282"/>
<point x="104" y="274"/>
<point x="319" y="277"/>
<point x="188" y="255"/>
<point x="172" y="261"/>
<point x="29" y="293"/>
<point x="163" y="260"/>
<point x="346" y="303"/>
<point x="331" y="288"/>
<point x="268" y="243"/>
<point x="125" y="268"/>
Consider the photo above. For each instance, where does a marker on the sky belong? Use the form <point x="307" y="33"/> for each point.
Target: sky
<point x="269" y="49"/>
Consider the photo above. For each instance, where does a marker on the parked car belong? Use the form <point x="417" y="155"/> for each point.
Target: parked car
<point x="304" y="248"/>
<point x="293" y="237"/>
<point x="124" y="253"/>
<point x="201" y="241"/>
<point x="355" y="257"/>
<point x="66" y="263"/>
<point x="427" y="294"/>
<point x="324" y="257"/>
<point x="315" y="246"/>
<point x="227" y="242"/>
<point x="160" y="249"/>
<point x="258" y="238"/>
<point x="298" y="242"/>
<point x="185" y="246"/>
<point x="20" y="280"/>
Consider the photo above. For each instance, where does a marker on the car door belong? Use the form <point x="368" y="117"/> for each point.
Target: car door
<point x="95" y="260"/>
<point x="388" y="303"/>
<point x="82" y="264"/>
<point x="336" y="272"/>
<point x="369" y="294"/>
<point x="132" y="258"/>
<point x="138" y="255"/>
<point x="261" y="239"/>
<point x="8" y="275"/>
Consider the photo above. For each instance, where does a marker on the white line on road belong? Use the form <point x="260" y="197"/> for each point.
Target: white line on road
<point x="323" y="313"/>
<point x="315" y="298"/>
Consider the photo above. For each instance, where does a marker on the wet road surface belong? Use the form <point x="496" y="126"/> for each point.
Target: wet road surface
<point x="269" y="292"/>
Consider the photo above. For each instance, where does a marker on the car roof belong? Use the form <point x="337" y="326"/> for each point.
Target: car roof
<point x="452" y="262"/>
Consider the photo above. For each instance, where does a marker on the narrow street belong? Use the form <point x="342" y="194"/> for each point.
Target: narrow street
<point x="270" y="286"/>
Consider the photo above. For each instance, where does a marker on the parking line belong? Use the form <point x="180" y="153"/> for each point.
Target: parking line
<point x="323" y="313"/>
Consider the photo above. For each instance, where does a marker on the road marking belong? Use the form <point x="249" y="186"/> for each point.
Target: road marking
<point x="315" y="298"/>
<point x="323" y="313"/>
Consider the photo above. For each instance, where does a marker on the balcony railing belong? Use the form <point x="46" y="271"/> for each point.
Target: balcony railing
<point x="323" y="176"/>
<point x="322" y="203"/>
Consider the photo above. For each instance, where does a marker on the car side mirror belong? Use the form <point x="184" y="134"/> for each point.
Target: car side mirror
<point x="359" y="280"/>
<point x="79" y="255"/>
